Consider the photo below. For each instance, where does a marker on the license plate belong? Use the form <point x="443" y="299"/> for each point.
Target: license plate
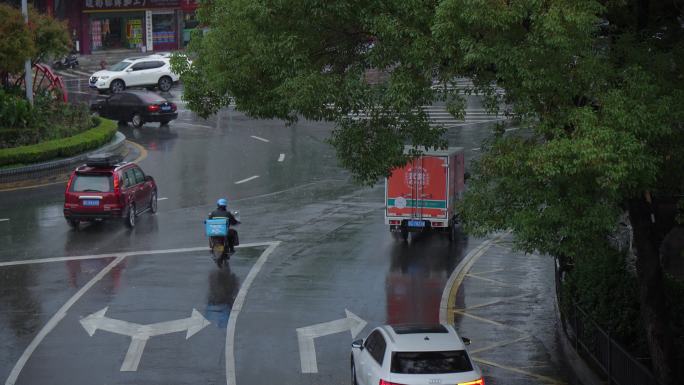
<point x="166" y="108"/>
<point x="416" y="223"/>
<point x="91" y="202"/>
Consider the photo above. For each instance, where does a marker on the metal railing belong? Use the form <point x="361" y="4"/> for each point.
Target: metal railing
<point x="593" y="343"/>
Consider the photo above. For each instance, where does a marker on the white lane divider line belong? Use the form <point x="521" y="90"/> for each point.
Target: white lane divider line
<point x="281" y="158"/>
<point x="162" y="199"/>
<point x="4" y="219"/>
<point x="260" y="138"/>
<point x="247" y="179"/>
<point x="512" y="129"/>
<point x="237" y="308"/>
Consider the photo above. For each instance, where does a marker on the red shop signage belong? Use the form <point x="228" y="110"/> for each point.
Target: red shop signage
<point x="116" y="4"/>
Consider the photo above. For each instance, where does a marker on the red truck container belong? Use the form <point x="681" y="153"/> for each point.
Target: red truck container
<point x="421" y="195"/>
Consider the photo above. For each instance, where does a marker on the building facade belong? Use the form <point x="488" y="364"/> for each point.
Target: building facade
<point x="136" y="25"/>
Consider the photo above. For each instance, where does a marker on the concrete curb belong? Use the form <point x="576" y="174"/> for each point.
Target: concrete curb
<point x="37" y="171"/>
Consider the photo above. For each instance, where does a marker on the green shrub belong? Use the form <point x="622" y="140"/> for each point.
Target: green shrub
<point x="603" y="288"/>
<point x="15" y="111"/>
<point x="60" y="148"/>
<point x="22" y="124"/>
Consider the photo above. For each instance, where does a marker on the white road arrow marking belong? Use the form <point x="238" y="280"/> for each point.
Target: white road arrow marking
<point x="141" y="333"/>
<point x="306" y="336"/>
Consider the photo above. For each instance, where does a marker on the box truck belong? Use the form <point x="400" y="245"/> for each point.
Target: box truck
<point x="421" y="195"/>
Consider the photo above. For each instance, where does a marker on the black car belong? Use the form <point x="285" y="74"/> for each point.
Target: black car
<point x="137" y="107"/>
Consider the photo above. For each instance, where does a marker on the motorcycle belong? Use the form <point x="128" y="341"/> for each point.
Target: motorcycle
<point x="69" y="61"/>
<point x="217" y="231"/>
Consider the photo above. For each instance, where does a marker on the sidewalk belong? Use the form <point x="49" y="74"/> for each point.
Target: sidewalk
<point x="93" y="62"/>
<point x="504" y="301"/>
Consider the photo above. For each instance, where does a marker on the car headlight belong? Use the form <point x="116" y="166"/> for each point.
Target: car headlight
<point x="104" y="77"/>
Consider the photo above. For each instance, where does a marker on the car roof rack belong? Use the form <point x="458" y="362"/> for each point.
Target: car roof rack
<point x="103" y="160"/>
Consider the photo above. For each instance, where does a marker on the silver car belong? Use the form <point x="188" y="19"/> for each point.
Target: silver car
<point x="413" y="355"/>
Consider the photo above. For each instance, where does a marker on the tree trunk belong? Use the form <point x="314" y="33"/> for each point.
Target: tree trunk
<point x="654" y="312"/>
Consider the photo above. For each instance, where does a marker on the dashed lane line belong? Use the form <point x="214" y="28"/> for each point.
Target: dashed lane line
<point x="259" y="138"/>
<point x="4" y="219"/>
<point x="281" y="158"/>
<point x="247" y="179"/>
<point x="162" y="199"/>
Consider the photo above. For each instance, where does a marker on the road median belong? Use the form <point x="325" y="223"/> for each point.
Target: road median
<point x="51" y="161"/>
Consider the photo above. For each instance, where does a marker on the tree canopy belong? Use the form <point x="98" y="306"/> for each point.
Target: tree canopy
<point x="43" y="37"/>
<point x="597" y="86"/>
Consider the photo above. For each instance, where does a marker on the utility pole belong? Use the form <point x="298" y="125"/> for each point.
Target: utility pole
<point x="28" y="77"/>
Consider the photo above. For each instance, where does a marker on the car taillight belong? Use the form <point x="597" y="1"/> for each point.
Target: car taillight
<point x="383" y="382"/>
<point x="71" y="180"/>
<point x="116" y="183"/>
<point x="153" y="108"/>
<point x="476" y="382"/>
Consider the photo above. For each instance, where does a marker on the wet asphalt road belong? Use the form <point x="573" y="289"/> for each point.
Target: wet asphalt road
<point x="329" y="252"/>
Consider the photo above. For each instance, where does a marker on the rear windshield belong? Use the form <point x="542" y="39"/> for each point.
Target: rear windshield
<point x="454" y="361"/>
<point x="92" y="183"/>
<point x="151" y="97"/>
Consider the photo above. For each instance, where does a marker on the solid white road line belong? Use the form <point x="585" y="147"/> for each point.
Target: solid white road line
<point x="261" y="139"/>
<point x="235" y="312"/>
<point x="281" y="158"/>
<point x="52" y="323"/>
<point x="124" y="254"/>
<point x="61" y="313"/>
<point x="247" y="179"/>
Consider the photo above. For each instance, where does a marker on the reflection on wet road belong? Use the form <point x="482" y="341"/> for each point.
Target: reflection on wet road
<point x="335" y="255"/>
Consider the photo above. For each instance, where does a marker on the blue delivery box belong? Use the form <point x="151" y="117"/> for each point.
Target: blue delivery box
<point x="216" y="227"/>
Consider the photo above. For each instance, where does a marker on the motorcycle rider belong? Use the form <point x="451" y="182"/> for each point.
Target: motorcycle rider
<point x="222" y="212"/>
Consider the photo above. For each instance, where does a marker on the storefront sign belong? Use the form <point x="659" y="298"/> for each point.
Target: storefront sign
<point x="122" y="4"/>
<point x="189" y="5"/>
<point x="148" y="30"/>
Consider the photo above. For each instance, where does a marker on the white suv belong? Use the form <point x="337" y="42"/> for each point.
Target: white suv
<point x="150" y="71"/>
<point x="412" y="355"/>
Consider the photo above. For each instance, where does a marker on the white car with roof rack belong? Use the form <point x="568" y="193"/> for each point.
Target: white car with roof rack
<point x="144" y="71"/>
<point x="413" y="355"/>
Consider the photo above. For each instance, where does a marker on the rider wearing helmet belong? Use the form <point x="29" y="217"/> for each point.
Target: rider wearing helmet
<point x="222" y="212"/>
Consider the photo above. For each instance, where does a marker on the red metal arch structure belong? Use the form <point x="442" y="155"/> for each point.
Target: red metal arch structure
<point x="45" y="82"/>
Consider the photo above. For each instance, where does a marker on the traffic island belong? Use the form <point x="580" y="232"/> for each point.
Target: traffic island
<point x="52" y="161"/>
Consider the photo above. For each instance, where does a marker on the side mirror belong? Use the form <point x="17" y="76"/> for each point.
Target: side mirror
<point x="129" y="69"/>
<point x="466" y="340"/>
<point x="148" y="178"/>
<point x="358" y="344"/>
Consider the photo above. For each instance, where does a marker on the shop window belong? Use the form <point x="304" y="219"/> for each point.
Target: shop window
<point x="163" y="30"/>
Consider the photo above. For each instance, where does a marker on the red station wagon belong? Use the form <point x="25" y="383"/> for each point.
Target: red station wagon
<point x="108" y="188"/>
